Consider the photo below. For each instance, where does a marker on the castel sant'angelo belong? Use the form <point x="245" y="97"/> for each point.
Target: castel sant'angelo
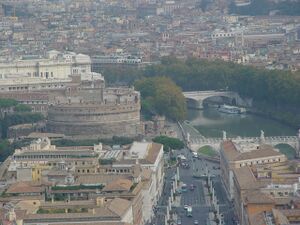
<point x="74" y="100"/>
<point x="88" y="108"/>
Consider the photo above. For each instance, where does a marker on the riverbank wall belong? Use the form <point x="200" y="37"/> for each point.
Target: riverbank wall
<point x="284" y="116"/>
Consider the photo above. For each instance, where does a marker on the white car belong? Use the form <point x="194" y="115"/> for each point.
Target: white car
<point x="195" y="155"/>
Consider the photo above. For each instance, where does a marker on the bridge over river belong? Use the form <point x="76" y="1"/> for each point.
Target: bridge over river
<point x="195" y="99"/>
<point x="196" y="141"/>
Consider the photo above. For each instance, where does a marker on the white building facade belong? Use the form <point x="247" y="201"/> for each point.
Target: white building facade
<point x="55" y="65"/>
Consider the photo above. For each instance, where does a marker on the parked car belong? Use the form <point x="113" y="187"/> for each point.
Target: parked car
<point x="179" y="191"/>
<point x="192" y="187"/>
<point x="195" y="155"/>
<point x="185" y="165"/>
<point x="196" y="222"/>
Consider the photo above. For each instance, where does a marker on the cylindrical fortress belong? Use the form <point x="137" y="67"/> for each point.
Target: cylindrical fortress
<point x="117" y="114"/>
<point x="98" y="120"/>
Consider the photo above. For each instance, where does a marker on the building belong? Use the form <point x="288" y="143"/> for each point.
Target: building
<point x="261" y="182"/>
<point x="76" y="101"/>
<point x="234" y="155"/>
<point x="119" y="60"/>
<point x="55" y="65"/>
<point x="47" y="184"/>
<point x="92" y="110"/>
<point x="150" y="158"/>
<point x="255" y="199"/>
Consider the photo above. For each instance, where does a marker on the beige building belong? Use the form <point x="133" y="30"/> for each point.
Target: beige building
<point x="55" y="65"/>
<point x="150" y="158"/>
<point x="262" y="184"/>
<point x="70" y="184"/>
<point x="233" y="156"/>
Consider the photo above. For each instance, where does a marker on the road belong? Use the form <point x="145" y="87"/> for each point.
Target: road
<point x="197" y="197"/>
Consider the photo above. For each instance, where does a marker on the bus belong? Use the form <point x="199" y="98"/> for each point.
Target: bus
<point x="189" y="211"/>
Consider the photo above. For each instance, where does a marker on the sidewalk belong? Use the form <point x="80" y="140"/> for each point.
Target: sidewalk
<point x="206" y="194"/>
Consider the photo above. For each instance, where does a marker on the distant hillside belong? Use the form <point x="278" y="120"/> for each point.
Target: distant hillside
<point x="264" y="7"/>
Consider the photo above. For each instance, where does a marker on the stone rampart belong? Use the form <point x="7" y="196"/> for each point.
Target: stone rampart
<point x="103" y="120"/>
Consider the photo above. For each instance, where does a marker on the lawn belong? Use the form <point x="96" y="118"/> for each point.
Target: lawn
<point x="208" y="151"/>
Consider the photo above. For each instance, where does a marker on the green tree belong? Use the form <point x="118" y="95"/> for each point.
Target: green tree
<point x="22" y="108"/>
<point x="5" y="103"/>
<point x="18" y="118"/>
<point x="162" y="96"/>
<point x="169" y="143"/>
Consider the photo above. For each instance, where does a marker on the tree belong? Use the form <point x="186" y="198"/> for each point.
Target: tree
<point x="160" y="95"/>
<point x="22" y="108"/>
<point x="169" y="143"/>
<point x="5" y="103"/>
<point x="18" y="118"/>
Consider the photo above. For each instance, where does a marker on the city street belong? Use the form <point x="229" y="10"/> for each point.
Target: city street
<point x="198" y="197"/>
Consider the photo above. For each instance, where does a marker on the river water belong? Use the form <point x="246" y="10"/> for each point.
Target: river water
<point x="211" y="123"/>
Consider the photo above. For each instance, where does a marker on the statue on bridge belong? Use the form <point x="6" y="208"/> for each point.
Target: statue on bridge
<point x="188" y="137"/>
<point x="224" y="135"/>
<point x="262" y="136"/>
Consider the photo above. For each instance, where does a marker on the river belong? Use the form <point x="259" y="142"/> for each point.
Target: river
<point x="210" y="123"/>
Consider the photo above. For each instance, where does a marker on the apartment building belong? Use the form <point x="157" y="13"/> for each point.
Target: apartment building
<point x="234" y="155"/>
<point x="262" y="183"/>
<point x="70" y="184"/>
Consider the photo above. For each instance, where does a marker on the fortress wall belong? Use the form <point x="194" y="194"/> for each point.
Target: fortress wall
<point x="130" y="128"/>
<point x="102" y="121"/>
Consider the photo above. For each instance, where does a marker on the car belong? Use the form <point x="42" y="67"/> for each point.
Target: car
<point x="192" y="187"/>
<point x="196" y="222"/>
<point x="185" y="207"/>
<point x="184" y="188"/>
<point x="179" y="191"/>
<point x="195" y="155"/>
<point x="179" y="222"/>
<point x="185" y="165"/>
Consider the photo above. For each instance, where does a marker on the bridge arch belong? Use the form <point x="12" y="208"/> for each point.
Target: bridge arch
<point x="193" y="103"/>
<point x="220" y="99"/>
<point x="200" y="96"/>
<point x="288" y="149"/>
<point x="208" y="150"/>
